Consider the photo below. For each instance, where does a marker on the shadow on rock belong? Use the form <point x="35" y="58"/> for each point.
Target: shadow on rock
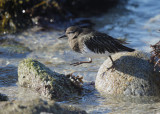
<point x="134" y="66"/>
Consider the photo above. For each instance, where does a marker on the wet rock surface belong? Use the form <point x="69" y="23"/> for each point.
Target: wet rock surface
<point x="50" y="84"/>
<point x="3" y="97"/>
<point x="133" y="75"/>
<point x="38" y="106"/>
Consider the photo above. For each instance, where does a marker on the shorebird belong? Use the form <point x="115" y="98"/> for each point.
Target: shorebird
<point x="93" y="44"/>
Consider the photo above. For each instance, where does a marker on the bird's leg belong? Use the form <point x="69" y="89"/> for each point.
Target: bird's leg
<point x="111" y="60"/>
<point x="156" y="64"/>
<point x="81" y="62"/>
<point x="113" y="64"/>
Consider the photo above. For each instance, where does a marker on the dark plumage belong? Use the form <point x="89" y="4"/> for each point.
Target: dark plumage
<point x="93" y="43"/>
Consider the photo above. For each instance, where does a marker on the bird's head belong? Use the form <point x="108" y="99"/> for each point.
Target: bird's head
<point x="72" y="32"/>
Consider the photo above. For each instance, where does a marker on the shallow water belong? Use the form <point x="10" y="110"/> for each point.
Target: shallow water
<point x="138" y="21"/>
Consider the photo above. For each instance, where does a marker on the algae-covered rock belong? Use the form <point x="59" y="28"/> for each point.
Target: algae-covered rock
<point x="133" y="75"/>
<point x="38" y="106"/>
<point x="50" y="84"/>
<point x="3" y="97"/>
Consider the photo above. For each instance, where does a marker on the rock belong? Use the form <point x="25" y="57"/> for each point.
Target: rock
<point x="38" y="106"/>
<point x="10" y="46"/>
<point x="3" y="97"/>
<point x="133" y="75"/>
<point x="49" y="84"/>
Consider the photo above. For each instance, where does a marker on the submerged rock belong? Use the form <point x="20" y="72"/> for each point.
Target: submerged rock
<point x="50" y="84"/>
<point x="133" y="75"/>
<point x="10" y="46"/>
<point x="3" y="97"/>
<point x="38" y="106"/>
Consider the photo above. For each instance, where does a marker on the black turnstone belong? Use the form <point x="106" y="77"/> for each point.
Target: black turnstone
<point x="93" y="43"/>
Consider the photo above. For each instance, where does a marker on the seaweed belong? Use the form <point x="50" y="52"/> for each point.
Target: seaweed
<point x="155" y="56"/>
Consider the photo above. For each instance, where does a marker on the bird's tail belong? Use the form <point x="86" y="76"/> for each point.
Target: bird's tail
<point x="122" y="47"/>
<point x="128" y="49"/>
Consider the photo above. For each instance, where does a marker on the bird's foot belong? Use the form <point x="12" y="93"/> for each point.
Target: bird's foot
<point x="112" y="68"/>
<point x="77" y="63"/>
<point x="81" y="62"/>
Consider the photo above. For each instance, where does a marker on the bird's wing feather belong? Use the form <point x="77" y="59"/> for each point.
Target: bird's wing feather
<point x="100" y="43"/>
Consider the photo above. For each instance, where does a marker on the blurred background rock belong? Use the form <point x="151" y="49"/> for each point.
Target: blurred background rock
<point x="15" y="15"/>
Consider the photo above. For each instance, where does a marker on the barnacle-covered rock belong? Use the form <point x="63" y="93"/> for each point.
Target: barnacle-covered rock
<point x="133" y="75"/>
<point x="50" y="84"/>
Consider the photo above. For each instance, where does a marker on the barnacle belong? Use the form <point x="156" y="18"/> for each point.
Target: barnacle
<point x="76" y="80"/>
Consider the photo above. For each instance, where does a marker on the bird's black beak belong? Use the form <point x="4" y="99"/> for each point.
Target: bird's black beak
<point x="62" y="36"/>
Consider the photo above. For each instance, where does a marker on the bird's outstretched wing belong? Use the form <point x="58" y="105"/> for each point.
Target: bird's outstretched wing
<point x="100" y="43"/>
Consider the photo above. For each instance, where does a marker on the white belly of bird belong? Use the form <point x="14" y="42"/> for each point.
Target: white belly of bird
<point x="88" y="53"/>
